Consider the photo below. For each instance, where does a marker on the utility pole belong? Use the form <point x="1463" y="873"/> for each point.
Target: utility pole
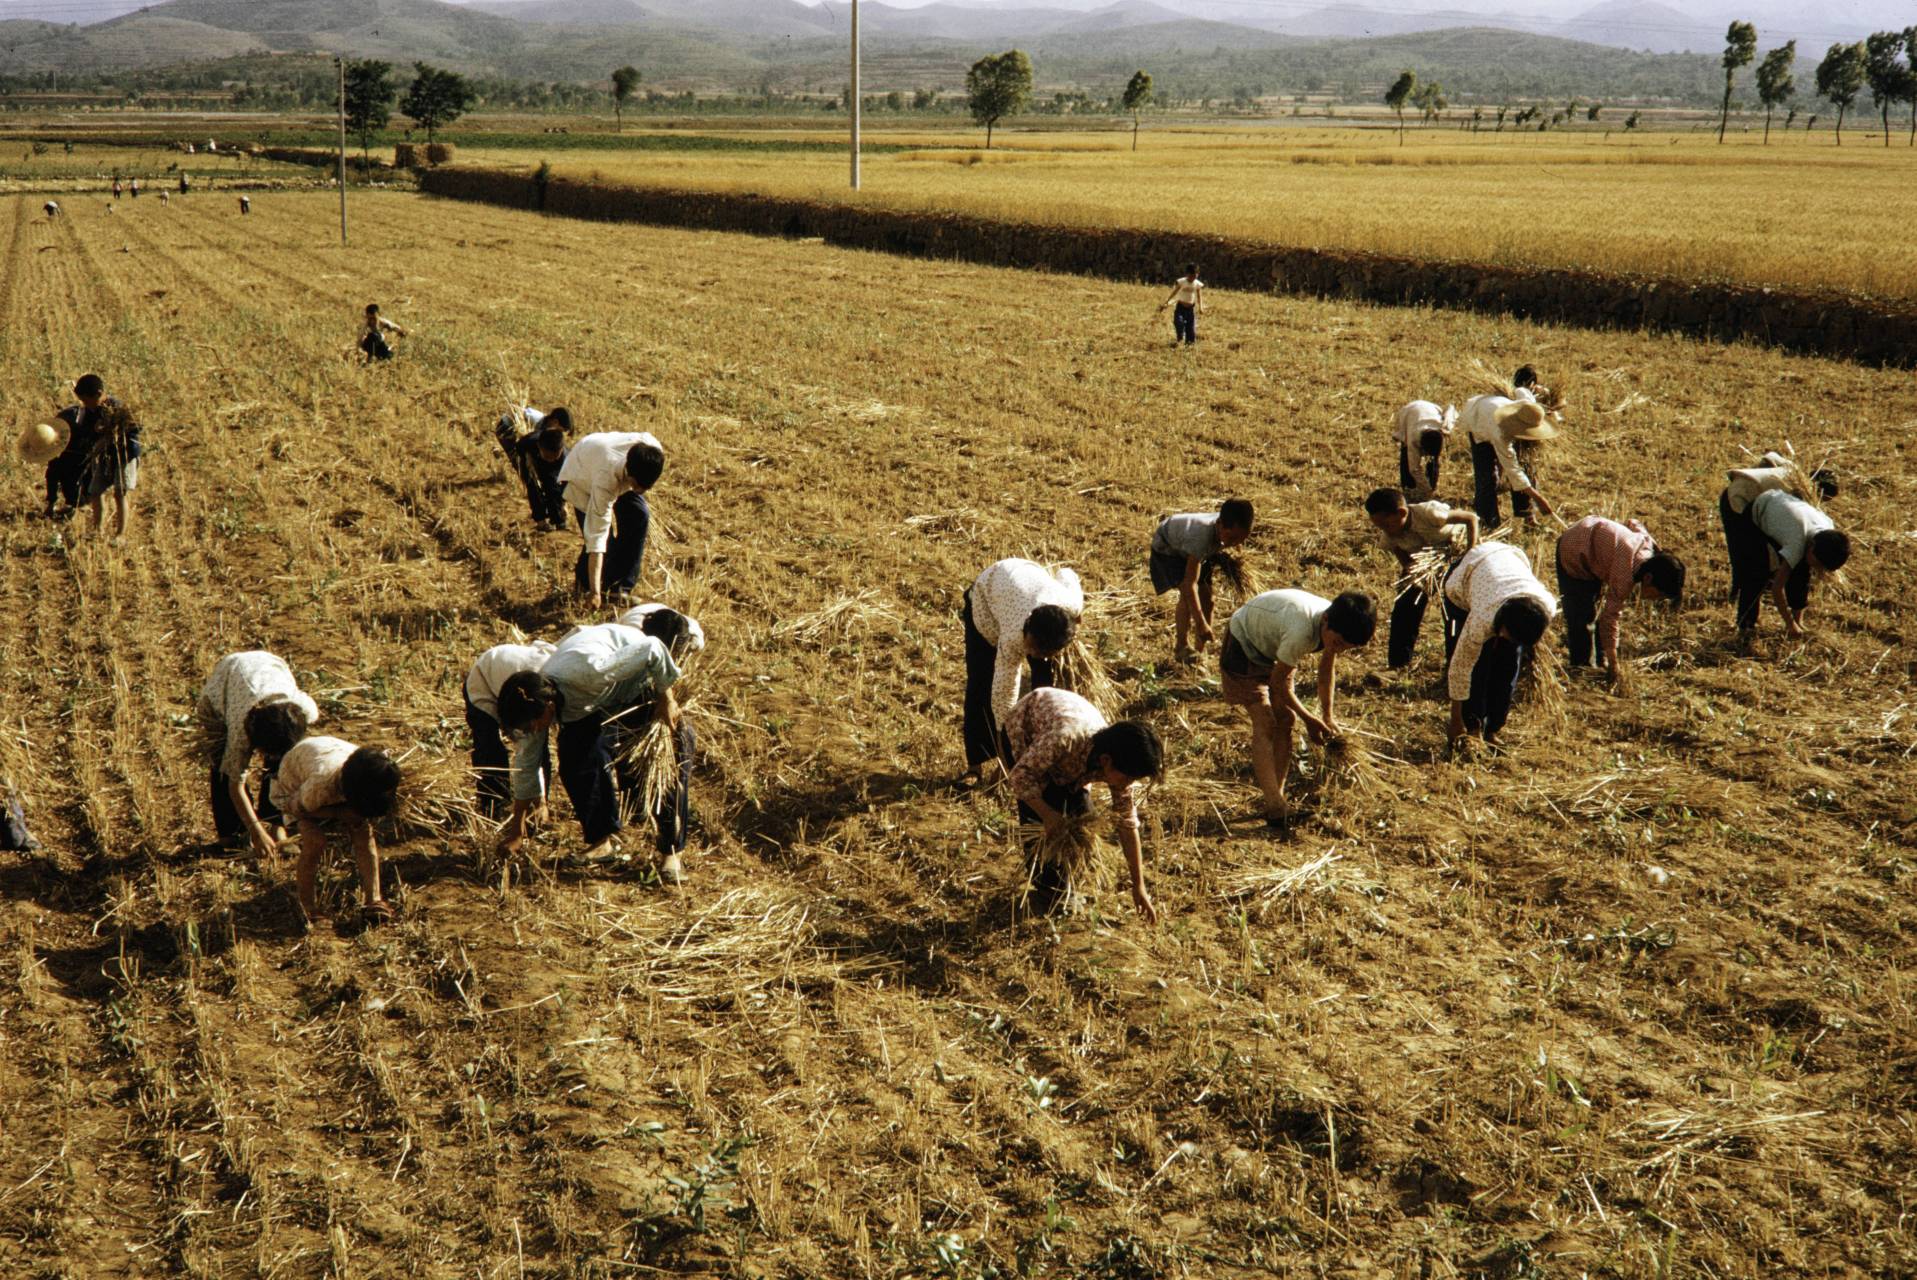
<point x="855" y="103"/>
<point x="340" y="63"/>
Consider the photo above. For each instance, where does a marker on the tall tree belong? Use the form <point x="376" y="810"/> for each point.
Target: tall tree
<point x="1840" y="78"/>
<point x="1884" y="71"/>
<point x="436" y="98"/>
<point x="1775" y="84"/>
<point x="1138" y="96"/>
<point x="1910" y="60"/>
<point x="1740" y="46"/>
<point x="1400" y="93"/>
<point x="625" y="82"/>
<point x="998" y="85"/>
<point x="369" y="102"/>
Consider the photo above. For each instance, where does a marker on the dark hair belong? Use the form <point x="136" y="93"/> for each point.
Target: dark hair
<point x="644" y="462"/>
<point x="1825" y="481"/>
<point x="524" y="698"/>
<point x="1235" y="514"/>
<point x="1832" y="549"/>
<point x="551" y="439"/>
<point x="559" y="419"/>
<point x="370" y="782"/>
<point x="1353" y="617"/>
<point x="1382" y="502"/>
<point x="1133" y="748"/>
<point x="1526" y="376"/>
<point x="1050" y="627"/>
<point x="668" y="626"/>
<point x="1431" y="441"/>
<point x="371" y="308"/>
<point x="272" y="728"/>
<point x="1524" y="618"/>
<point x="1192" y="269"/>
<point x="90" y="385"/>
<point x="1666" y="573"/>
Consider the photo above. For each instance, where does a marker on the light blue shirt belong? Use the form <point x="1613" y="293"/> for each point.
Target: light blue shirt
<point x="600" y="670"/>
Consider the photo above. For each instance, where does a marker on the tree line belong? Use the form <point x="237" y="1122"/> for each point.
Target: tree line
<point x="1885" y="63"/>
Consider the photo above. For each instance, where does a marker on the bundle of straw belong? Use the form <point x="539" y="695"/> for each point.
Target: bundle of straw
<point x="1430" y="565"/>
<point x="1541" y="685"/>
<point x="1074" y="854"/>
<point x="1240" y="580"/>
<point x="436" y="799"/>
<point x="1351" y="771"/>
<point x="648" y="768"/>
<point x="1081" y="671"/>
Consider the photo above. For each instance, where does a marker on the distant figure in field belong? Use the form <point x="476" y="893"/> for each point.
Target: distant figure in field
<point x="116" y="188"/>
<point x="164" y="198"/>
<point x="1186" y="301"/>
<point x="185" y="186"/>
<point x="1496" y="425"/>
<point x="1018" y="617"/>
<point x="1496" y="612"/>
<point x="1185" y="551"/>
<point x="538" y="454"/>
<point x="1778" y="539"/>
<point x="52" y="208"/>
<point x="251" y="706"/>
<point x="1408" y="528"/>
<point x="1598" y="556"/>
<point x="606" y="477"/>
<point x="246" y="205"/>
<point x="136" y="187"/>
<point x="373" y="341"/>
<point x="1421" y="429"/>
<point x="325" y="786"/>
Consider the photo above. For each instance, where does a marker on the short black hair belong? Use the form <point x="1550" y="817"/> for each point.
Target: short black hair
<point x="1051" y="627"/>
<point x="273" y="727"/>
<point x="1353" y="617"/>
<point x="551" y="439"/>
<point x="1192" y="268"/>
<point x="524" y="698"/>
<point x="1825" y="482"/>
<point x="1524" y="618"/>
<point x="559" y="419"/>
<point x="372" y="307"/>
<point x="1831" y="547"/>
<point x="1666" y="573"/>
<point x="1526" y="376"/>
<point x="90" y="385"/>
<point x="644" y="462"/>
<point x="1133" y="748"/>
<point x="668" y="626"/>
<point x="369" y="780"/>
<point x="1235" y="514"/>
<point x="1382" y="502"/>
<point x="1431" y="441"/>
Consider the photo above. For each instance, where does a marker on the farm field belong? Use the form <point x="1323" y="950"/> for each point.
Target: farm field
<point x="1633" y="999"/>
<point x="1695" y="210"/>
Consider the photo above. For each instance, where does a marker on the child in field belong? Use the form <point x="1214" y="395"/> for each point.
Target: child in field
<point x="246" y="205"/>
<point x="1598" y="556"/>
<point x="52" y="208"/>
<point x="1185" y="550"/>
<point x="102" y="455"/>
<point x="1017" y="615"/>
<point x="1406" y="529"/>
<point x="538" y="455"/>
<point x="1496" y="612"/>
<point x="1421" y="429"/>
<point x="136" y="188"/>
<point x="1265" y="641"/>
<point x="251" y="705"/>
<point x="1060" y="745"/>
<point x="1186" y="301"/>
<point x="116" y="188"/>
<point x="373" y="342"/>
<point x="602" y="688"/>
<point x="325" y="786"/>
<point x="606" y="477"/>
<point x="1777" y="539"/>
<point x="1497" y="425"/>
<point x="492" y="761"/>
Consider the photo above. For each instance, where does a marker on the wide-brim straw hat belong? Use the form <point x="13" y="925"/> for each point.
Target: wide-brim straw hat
<point x="1523" y="420"/>
<point x="42" y="442"/>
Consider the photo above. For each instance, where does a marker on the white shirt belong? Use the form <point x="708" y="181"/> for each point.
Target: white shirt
<point x="238" y="683"/>
<point x="1419" y="417"/>
<point x="595" y="476"/>
<point x="1480" y="419"/>
<point x="1746" y="483"/>
<point x="1789" y="522"/>
<point x="1488" y="575"/>
<point x="502" y="662"/>
<point x="1186" y="290"/>
<point x="695" y="634"/>
<point x="308" y="780"/>
<point x="1280" y="628"/>
<point x="1003" y="597"/>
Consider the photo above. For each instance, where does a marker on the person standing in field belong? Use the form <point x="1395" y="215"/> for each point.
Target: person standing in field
<point x="538" y="454"/>
<point x="492" y="760"/>
<point x="1496" y="613"/>
<point x="1421" y="429"/>
<point x="116" y="188"/>
<point x="1017" y="615"/>
<point x="373" y="341"/>
<point x="184" y="185"/>
<point x="246" y="205"/>
<point x="1777" y="539"/>
<point x="136" y="186"/>
<point x="1265" y="641"/>
<point x="1185" y="550"/>
<point x="1060" y="745"/>
<point x="251" y="706"/>
<point x="1598" y="556"/>
<point x="327" y="786"/>
<point x="102" y="455"/>
<point x="1186" y="301"/>
<point x="605" y="479"/>
<point x="1496" y="425"/>
<point x="1408" y="528"/>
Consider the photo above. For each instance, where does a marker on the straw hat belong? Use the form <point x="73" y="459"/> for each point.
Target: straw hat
<point x="42" y="442"/>
<point x="1523" y="420"/>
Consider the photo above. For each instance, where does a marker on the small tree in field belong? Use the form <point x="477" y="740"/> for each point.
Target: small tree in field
<point x="1592" y="114"/>
<point x="436" y="98"/>
<point x="1631" y="121"/>
<point x="369" y="102"/>
<point x="1430" y="100"/>
<point x="1138" y="96"/>
<point x="1840" y="77"/>
<point x="1889" y="78"/>
<point x="1774" y="83"/>
<point x="998" y="85"/>
<point x="1399" y="94"/>
<point x="1740" y="46"/>
<point x="625" y="83"/>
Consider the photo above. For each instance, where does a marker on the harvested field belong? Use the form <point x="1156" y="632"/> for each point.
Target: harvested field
<point x="1631" y="1000"/>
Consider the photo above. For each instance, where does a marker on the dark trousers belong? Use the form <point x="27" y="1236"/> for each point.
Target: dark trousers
<point x="1407" y="480"/>
<point x="983" y="735"/>
<point x="1750" y="553"/>
<point x="1494" y="681"/>
<point x="226" y="816"/>
<point x="1184" y="323"/>
<point x="1407" y="616"/>
<point x="64" y="474"/>
<point x="587" y="749"/>
<point x="1049" y="886"/>
<point x="376" y="347"/>
<point x="1485" y="473"/>
<point x="1578" y="601"/>
<point x="493" y="762"/>
<point x="631" y="522"/>
<point x="544" y="494"/>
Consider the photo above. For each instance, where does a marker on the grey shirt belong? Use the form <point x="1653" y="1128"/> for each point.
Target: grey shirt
<point x="1194" y="535"/>
<point x="1789" y="522"/>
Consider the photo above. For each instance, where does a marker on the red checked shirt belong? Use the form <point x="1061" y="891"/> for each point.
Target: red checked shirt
<point x="1599" y="550"/>
<point x="1051" y="735"/>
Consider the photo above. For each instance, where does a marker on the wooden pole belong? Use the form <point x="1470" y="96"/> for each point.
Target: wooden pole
<point x="341" y="64"/>
<point x="856" y="97"/>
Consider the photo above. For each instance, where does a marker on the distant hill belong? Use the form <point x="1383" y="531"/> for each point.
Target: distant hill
<point x="569" y="13"/>
<point x="1645" y="24"/>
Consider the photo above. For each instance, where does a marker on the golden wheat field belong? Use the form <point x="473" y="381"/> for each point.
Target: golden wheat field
<point x="1801" y="213"/>
<point x="1632" y="999"/>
